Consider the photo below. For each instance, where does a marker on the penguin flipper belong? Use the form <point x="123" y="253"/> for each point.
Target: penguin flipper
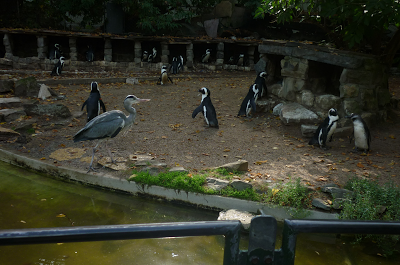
<point x="253" y="105"/>
<point x="196" y="111"/>
<point x="102" y="105"/>
<point x="84" y="104"/>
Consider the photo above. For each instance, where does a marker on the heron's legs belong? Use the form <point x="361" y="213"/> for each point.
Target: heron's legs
<point x="91" y="162"/>
<point x="109" y="153"/>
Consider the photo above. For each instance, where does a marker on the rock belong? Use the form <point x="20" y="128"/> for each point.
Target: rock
<point x="277" y="109"/>
<point x="57" y="110"/>
<point x="232" y="214"/>
<point x="211" y="27"/>
<point x="178" y="169"/>
<point x="12" y="114"/>
<point x="338" y="192"/>
<point x="260" y="66"/>
<point x="216" y="184"/>
<point x="241" y="185"/>
<point x="13" y="102"/>
<point x="6" y="85"/>
<point x="7" y="134"/>
<point x="274" y="89"/>
<point x="240" y="165"/>
<point x="265" y="105"/>
<point x="296" y="113"/>
<point x="343" y="132"/>
<point x="305" y="97"/>
<point x="223" y="9"/>
<point x="152" y="170"/>
<point x="132" y="81"/>
<point x="308" y="130"/>
<point x="44" y="92"/>
<point x="326" y="102"/>
<point x="321" y="204"/>
<point x="67" y="153"/>
<point x="26" y="87"/>
<point x="120" y="163"/>
<point x="141" y="160"/>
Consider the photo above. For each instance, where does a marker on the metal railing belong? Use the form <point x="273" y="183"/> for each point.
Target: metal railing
<point x="262" y="235"/>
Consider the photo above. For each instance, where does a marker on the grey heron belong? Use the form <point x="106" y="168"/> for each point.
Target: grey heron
<point x="108" y="125"/>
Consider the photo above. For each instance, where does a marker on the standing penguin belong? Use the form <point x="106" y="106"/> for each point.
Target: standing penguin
<point x="94" y="102"/>
<point x="260" y="81"/>
<point x="231" y="60"/>
<point x="150" y="58"/>
<point x="89" y="54"/>
<point x="164" y="76"/>
<point x="180" y="63"/>
<point x="249" y="102"/>
<point x="145" y="56"/>
<point x="206" y="56"/>
<point x="207" y="108"/>
<point x="240" y="61"/>
<point x="325" y="130"/>
<point x="153" y="56"/>
<point x="55" y="52"/>
<point x="58" y="67"/>
<point x="174" y="66"/>
<point x="361" y="134"/>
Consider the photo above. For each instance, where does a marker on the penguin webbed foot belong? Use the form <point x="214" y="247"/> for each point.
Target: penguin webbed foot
<point x="325" y="147"/>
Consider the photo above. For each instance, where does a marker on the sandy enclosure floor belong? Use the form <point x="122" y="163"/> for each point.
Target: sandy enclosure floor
<point x="165" y="129"/>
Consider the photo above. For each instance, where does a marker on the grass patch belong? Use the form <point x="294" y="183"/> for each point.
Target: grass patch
<point x="292" y="194"/>
<point x="373" y="202"/>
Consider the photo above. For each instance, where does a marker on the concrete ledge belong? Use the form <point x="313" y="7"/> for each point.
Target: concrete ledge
<point x="111" y="182"/>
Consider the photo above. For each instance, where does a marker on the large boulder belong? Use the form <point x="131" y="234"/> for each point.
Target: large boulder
<point x="26" y="87"/>
<point x="294" y="113"/>
<point x="6" y="85"/>
<point x="56" y="110"/>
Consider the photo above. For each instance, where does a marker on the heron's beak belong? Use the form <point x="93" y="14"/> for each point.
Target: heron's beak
<point x="142" y="100"/>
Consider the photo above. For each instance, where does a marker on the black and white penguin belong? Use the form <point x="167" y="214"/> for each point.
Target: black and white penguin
<point x="145" y="56"/>
<point x="150" y="58"/>
<point x="231" y="60"/>
<point x="249" y="102"/>
<point x="207" y="108"/>
<point x="361" y="134"/>
<point x="180" y="63"/>
<point x="94" y="102"/>
<point x="260" y="81"/>
<point x="325" y="130"/>
<point x="55" y="52"/>
<point x="174" y="66"/>
<point x="90" y="54"/>
<point x="206" y="56"/>
<point x="164" y="76"/>
<point x="240" y="61"/>
<point x="153" y="55"/>
<point x="58" y="67"/>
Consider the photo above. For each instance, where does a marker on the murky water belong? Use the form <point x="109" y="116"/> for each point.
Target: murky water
<point x="29" y="200"/>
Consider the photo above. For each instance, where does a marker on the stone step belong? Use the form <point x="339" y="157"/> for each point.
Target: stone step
<point x="13" y="102"/>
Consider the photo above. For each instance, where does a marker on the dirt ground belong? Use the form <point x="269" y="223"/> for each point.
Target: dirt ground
<point x="165" y="129"/>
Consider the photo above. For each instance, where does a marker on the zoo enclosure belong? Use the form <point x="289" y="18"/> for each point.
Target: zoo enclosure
<point x="262" y="235"/>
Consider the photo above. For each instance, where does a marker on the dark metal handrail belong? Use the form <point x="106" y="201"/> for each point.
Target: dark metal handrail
<point x="262" y="235"/>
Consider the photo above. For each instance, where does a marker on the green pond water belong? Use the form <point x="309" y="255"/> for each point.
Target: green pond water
<point x="30" y="200"/>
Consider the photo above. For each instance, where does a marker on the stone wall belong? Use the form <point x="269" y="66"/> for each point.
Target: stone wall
<point x="320" y="79"/>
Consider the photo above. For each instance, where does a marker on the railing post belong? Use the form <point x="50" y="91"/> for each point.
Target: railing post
<point x="231" y="249"/>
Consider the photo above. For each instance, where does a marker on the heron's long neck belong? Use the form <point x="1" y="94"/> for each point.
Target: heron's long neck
<point x="132" y="115"/>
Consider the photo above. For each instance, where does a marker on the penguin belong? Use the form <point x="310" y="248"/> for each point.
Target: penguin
<point x="325" y="130"/>
<point x="150" y="58"/>
<point x="94" y="102"/>
<point x="180" y="64"/>
<point x="153" y="55"/>
<point x="207" y="108"/>
<point x="55" y="52"/>
<point x="58" y="67"/>
<point x="145" y="56"/>
<point x="89" y="54"/>
<point x="174" y="66"/>
<point x="240" y="60"/>
<point x="206" y="56"/>
<point x="249" y="102"/>
<point x="361" y="134"/>
<point x="260" y="81"/>
<point x="164" y="76"/>
<point x="231" y="60"/>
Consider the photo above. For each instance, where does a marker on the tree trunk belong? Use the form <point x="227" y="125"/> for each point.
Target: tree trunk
<point x="391" y="48"/>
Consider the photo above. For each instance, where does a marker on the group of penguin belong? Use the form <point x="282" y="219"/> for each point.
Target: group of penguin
<point x="239" y="61"/>
<point x="55" y="52"/>
<point x="325" y="131"/>
<point x="149" y="57"/>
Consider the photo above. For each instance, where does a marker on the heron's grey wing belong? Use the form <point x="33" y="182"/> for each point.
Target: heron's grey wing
<point x="108" y="124"/>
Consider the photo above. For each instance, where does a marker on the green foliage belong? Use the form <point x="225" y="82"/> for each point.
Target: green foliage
<point x="373" y="202"/>
<point x="247" y="194"/>
<point x="358" y="22"/>
<point x="292" y="194"/>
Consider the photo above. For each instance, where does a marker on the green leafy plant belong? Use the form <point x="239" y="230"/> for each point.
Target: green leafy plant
<point x="373" y="202"/>
<point x="292" y="194"/>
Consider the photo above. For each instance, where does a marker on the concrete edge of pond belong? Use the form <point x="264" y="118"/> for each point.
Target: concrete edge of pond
<point x="111" y="182"/>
